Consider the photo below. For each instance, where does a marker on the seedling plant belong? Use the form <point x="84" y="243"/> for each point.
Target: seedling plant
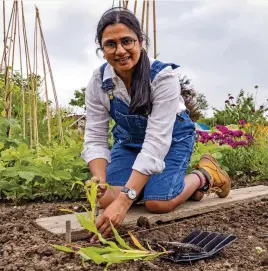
<point x="111" y="252"/>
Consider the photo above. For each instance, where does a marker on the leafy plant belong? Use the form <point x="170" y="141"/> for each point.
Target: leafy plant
<point x="111" y="252"/>
<point x="47" y="173"/>
<point x="214" y="149"/>
<point x="243" y="107"/>
<point x="252" y="159"/>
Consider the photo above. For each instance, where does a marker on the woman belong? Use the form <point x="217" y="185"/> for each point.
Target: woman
<point x="154" y="136"/>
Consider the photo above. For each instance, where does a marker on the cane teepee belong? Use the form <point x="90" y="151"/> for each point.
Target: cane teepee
<point x="16" y="44"/>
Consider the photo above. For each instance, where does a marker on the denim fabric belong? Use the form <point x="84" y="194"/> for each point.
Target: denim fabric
<point x="129" y="133"/>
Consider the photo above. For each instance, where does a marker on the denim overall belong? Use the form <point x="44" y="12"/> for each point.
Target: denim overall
<point x="129" y="134"/>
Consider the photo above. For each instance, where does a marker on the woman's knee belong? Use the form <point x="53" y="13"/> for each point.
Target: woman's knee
<point x="158" y="206"/>
<point x="197" y="196"/>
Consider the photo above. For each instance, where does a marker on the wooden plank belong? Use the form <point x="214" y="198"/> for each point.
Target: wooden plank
<point x="57" y="224"/>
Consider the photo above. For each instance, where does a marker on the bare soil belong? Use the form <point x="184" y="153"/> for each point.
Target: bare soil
<point x="25" y="247"/>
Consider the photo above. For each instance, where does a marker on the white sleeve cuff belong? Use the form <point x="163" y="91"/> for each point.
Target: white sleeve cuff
<point x="91" y="153"/>
<point x="147" y="164"/>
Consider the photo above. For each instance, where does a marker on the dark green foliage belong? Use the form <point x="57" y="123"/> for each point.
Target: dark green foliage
<point x="79" y="98"/>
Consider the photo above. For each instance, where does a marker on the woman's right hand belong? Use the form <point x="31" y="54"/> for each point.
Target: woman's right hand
<point x="101" y="188"/>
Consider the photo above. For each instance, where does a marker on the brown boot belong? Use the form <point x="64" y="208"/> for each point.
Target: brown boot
<point x="219" y="180"/>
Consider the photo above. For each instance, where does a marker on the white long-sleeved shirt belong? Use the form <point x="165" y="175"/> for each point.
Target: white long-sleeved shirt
<point x="167" y="103"/>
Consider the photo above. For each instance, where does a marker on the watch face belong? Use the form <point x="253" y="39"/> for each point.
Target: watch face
<point x="132" y="194"/>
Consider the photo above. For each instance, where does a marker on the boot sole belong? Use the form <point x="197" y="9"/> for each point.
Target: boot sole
<point x="227" y="186"/>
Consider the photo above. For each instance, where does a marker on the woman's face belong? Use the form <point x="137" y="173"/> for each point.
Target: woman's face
<point x="121" y="47"/>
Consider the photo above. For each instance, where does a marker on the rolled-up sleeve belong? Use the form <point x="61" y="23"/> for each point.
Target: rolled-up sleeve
<point x="97" y="124"/>
<point x="165" y="98"/>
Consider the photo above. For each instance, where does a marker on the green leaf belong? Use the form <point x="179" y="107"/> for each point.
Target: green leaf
<point x="103" y="250"/>
<point x="29" y="176"/>
<point x="114" y="257"/>
<point x="86" y="222"/>
<point x="152" y="257"/>
<point x="150" y="248"/>
<point x="77" y="182"/>
<point x="61" y="175"/>
<point x="119" y="239"/>
<point x="84" y="257"/>
<point x="23" y="149"/>
<point x="63" y="248"/>
<point x="120" y="256"/>
<point x="98" y="259"/>
<point x="105" y="242"/>
<point x="225" y="168"/>
<point x="66" y="210"/>
<point x="2" y="145"/>
<point x="217" y="155"/>
<point x="11" y="172"/>
<point x="85" y="208"/>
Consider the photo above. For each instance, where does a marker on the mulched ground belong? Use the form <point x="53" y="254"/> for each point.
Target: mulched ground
<point x="24" y="247"/>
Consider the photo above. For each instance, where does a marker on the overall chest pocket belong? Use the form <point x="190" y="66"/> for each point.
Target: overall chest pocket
<point x="131" y="123"/>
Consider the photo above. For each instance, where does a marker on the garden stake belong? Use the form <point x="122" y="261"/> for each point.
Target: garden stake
<point x="68" y="235"/>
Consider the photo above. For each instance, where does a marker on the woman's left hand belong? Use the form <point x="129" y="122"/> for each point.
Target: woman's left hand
<point x="114" y="213"/>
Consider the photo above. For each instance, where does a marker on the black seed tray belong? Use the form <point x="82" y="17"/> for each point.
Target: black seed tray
<point x="209" y="243"/>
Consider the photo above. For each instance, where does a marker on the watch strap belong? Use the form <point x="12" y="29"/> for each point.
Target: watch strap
<point x="125" y="189"/>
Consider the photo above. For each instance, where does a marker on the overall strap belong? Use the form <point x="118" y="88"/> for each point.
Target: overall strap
<point x="158" y="66"/>
<point x="108" y="83"/>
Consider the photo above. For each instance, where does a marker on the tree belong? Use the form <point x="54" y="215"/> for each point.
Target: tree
<point x="194" y="101"/>
<point x="79" y="98"/>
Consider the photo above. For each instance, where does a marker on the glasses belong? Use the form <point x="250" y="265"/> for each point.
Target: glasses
<point x="110" y="47"/>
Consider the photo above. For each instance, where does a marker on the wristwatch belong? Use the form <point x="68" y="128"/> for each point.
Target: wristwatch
<point x="131" y="193"/>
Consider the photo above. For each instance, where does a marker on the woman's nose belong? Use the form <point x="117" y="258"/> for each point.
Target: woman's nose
<point x="120" y="49"/>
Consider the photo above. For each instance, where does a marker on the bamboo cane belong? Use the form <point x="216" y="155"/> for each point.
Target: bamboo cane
<point x="51" y="77"/>
<point x="11" y="34"/>
<point x="135" y="7"/>
<point x="29" y="73"/>
<point x="22" y="85"/>
<point x="143" y="13"/>
<point x="46" y="91"/>
<point x="6" y="35"/>
<point x="147" y="23"/>
<point x="154" y="21"/>
<point x="34" y="90"/>
<point x="13" y="58"/>
<point x="7" y="73"/>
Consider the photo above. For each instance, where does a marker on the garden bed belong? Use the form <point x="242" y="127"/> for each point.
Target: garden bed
<point x="24" y="247"/>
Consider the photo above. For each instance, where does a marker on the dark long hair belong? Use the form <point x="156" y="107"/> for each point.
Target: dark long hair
<point x="140" y="84"/>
